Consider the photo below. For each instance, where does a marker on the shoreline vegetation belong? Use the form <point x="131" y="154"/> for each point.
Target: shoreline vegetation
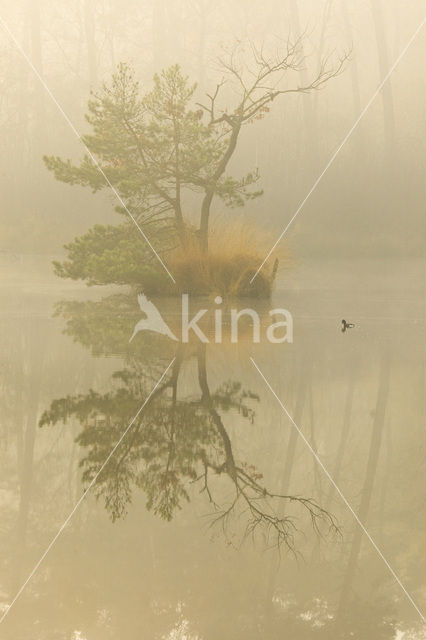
<point x="167" y="155"/>
<point x="119" y="255"/>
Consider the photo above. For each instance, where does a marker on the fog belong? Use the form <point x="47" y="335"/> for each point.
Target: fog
<point x="368" y="204"/>
<point x="155" y="488"/>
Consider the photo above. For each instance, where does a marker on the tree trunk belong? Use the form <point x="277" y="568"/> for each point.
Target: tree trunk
<point x="26" y="436"/>
<point x="40" y="129"/>
<point x="288" y="469"/>
<point x="386" y="92"/>
<point x="204" y="222"/>
<point x="310" y="145"/>
<point x="202" y="44"/>
<point x="206" y="398"/>
<point x="159" y="32"/>
<point x="207" y="201"/>
<point x="353" y="67"/>
<point x="344" y="433"/>
<point x="89" y="29"/>
<point x="367" y="490"/>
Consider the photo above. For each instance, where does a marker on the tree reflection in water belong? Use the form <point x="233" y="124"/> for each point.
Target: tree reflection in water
<point x="179" y="441"/>
<point x="148" y="578"/>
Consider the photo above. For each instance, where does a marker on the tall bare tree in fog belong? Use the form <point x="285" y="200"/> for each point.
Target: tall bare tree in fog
<point x="344" y="434"/>
<point x="384" y="64"/>
<point x="39" y="126"/>
<point x="89" y="30"/>
<point x="356" y="98"/>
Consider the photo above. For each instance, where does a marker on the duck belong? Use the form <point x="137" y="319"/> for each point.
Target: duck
<point x="346" y="325"/>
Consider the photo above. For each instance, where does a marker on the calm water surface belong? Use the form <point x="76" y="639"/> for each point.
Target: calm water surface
<point x="213" y="519"/>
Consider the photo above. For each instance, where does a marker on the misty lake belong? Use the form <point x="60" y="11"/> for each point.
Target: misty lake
<point x="212" y="320"/>
<point x="213" y="518"/>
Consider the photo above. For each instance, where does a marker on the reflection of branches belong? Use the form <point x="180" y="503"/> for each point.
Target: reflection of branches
<point x="257" y="501"/>
<point x="172" y="383"/>
<point x="177" y="443"/>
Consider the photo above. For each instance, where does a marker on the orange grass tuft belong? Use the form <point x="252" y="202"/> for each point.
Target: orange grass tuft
<point x="235" y="253"/>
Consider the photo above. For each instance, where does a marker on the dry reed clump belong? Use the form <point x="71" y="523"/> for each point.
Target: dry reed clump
<point x="235" y="253"/>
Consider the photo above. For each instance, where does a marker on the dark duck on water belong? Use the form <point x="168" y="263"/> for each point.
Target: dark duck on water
<point x="346" y="325"/>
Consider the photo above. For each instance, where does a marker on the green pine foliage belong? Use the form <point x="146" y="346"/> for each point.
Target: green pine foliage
<point x="160" y="149"/>
<point x="153" y="147"/>
<point x="114" y="255"/>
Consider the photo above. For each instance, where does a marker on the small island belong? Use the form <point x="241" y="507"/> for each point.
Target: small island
<point x="165" y="157"/>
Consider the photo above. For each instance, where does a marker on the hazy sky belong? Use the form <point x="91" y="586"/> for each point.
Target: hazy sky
<point x="369" y="203"/>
